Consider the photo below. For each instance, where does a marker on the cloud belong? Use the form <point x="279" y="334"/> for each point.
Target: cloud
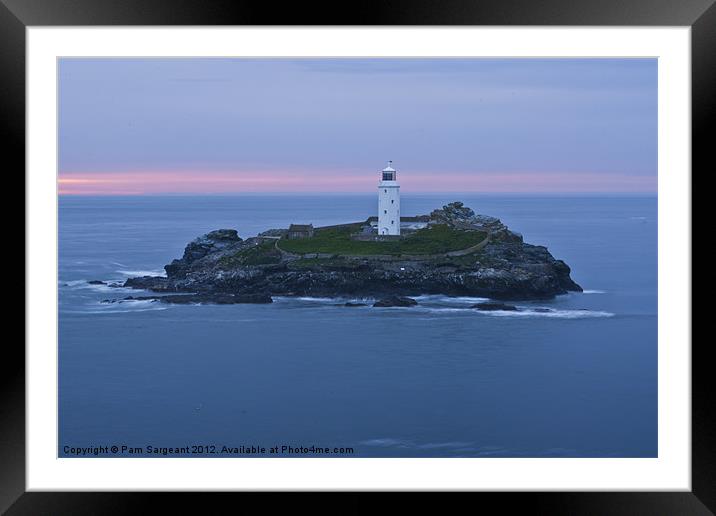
<point x="540" y="116"/>
<point x="233" y="182"/>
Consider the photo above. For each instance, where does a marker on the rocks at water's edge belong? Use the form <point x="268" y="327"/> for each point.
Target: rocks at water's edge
<point x="221" y="267"/>
<point x="395" y="301"/>
<point x="219" y="299"/>
<point x="212" y="242"/>
<point x="349" y="304"/>
<point x="491" y="307"/>
<point x="96" y="282"/>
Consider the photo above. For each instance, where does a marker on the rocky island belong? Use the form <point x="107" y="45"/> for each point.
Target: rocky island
<point x="452" y="251"/>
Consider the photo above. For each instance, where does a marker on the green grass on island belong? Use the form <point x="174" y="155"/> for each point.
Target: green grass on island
<point x="336" y="240"/>
<point x="263" y="254"/>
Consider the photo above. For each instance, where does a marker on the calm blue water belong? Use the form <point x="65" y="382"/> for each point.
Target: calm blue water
<point x="437" y="380"/>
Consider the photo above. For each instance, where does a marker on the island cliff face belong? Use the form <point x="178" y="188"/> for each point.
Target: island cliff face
<point x="491" y="261"/>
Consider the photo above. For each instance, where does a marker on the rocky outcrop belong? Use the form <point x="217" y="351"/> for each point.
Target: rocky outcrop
<point x="221" y="264"/>
<point x="274" y="233"/>
<point x="210" y="243"/>
<point x="213" y="298"/>
<point x="492" y="307"/>
<point x="395" y="301"/>
<point x="456" y="214"/>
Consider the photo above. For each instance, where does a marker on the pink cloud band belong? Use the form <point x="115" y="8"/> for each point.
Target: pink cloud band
<point x="194" y="182"/>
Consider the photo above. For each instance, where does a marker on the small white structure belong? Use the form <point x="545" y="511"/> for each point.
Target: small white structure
<point x="389" y="202"/>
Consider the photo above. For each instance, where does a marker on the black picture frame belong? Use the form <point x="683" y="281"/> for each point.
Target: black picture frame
<point x="16" y="15"/>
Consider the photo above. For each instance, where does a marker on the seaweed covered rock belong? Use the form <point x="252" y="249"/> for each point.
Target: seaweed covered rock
<point x="395" y="301"/>
<point x="492" y="307"/>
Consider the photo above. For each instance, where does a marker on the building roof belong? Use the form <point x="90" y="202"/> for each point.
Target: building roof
<point x="300" y="227"/>
<point x="389" y="168"/>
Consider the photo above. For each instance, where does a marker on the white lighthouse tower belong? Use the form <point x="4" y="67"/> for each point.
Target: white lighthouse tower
<point x="389" y="202"/>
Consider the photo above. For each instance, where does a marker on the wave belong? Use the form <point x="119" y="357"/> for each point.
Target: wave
<point x="114" y="309"/>
<point x="553" y="314"/>
<point x="594" y="292"/>
<point x="429" y="304"/>
<point x="132" y="302"/>
<point x="386" y="442"/>
<point x="454" y="446"/>
<point x="428" y="298"/>
<point x="83" y="284"/>
<point x="119" y="311"/>
<point x="435" y="309"/>
<point x="445" y="305"/>
<point x="128" y="311"/>
<point x="520" y="312"/>
<point x="133" y="274"/>
<point x="326" y="300"/>
<point x="319" y="299"/>
<point x="121" y="306"/>
<point x="74" y="283"/>
<point x="438" y="298"/>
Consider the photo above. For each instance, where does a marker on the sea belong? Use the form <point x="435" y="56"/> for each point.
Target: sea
<point x="307" y="377"/>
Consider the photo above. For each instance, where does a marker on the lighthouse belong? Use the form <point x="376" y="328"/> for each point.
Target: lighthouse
<point x="389" y="202"/>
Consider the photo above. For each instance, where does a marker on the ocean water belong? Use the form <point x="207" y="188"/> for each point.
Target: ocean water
<point x="439" y="380"/>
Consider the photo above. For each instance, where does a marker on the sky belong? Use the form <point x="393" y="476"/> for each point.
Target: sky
<point x="138" y="126"/>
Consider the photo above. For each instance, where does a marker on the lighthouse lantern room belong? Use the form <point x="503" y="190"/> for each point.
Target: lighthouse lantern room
<point x="389" y="202"/>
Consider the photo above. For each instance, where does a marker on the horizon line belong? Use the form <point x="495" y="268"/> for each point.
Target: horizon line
<point x="347" y="181"/>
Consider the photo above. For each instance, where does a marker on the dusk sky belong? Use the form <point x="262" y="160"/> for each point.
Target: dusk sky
<point x="145" y="126"/>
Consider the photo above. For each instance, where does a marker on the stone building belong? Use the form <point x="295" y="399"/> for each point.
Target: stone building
<point x="300" y="231"/>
